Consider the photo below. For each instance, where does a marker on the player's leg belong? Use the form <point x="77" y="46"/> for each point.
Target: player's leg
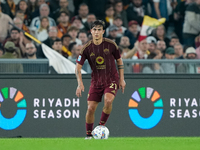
<point x="109" y="95"/>
<point x="108" y="100"/>
<point x="94" y="97"/>
<point x="92" y="105"/>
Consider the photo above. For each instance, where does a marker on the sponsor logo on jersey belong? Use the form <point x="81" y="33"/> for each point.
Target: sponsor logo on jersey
<point x="100" y="60"/>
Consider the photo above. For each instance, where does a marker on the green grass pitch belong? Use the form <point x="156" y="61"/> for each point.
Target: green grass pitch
<point x="123" y="143"/>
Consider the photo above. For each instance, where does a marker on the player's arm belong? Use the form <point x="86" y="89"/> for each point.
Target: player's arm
<point x="80" y="86"/>
<point x="120" y="66"/>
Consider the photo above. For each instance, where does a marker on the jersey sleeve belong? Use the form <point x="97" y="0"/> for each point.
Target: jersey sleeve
<point x="81" y="58"/>
<point x="116" y="52"/>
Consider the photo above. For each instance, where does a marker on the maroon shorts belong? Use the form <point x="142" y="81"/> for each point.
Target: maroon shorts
<point x="95" y="94"/>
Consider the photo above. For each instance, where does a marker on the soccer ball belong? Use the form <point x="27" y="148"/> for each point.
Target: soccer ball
<point x="100" y="132"/>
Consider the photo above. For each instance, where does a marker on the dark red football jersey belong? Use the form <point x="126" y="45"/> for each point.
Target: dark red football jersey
<point x="102" y="61"/>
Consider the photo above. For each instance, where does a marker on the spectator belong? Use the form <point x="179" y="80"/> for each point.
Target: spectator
<point x="32" y="5"/>
<point x="169" y="67"/>
<point x="90" y="19"/>
<point x="53" y="34"/>
<point x="178" y="49"/>
<point x="97" y="7"/>
<point x="118" y="23"/>
<point x="76" y="51"/>
<point x="133" y="32"/>
<point x="174" y="40"/>
<point x="82" y="35"/>
<point x="113" y="34"/>
<point x="33" y="68"/>
<point x="152" y="67"/>
<point x="11" y="52"/>
<point x="20" y="14"/>
<point x="64" y="23"/>
<point x="72" y="50"/>
<point x="24" y="12"/>
<point x="160" y="34"/>
<point x="18" y="39"/>
<point x="31" y="51"/>
<point x="9" y="8"/>
<point x="179" y="15"/>
<point x="124" y="44"/>
<point x="159" y="54"/>
<point x="57" y="45"/>
<point x="73" y="32"/>
<point x="36" y="13"/>
<point x="142" y="50"/>
<point x="109" y="18"/>
<point x="76" y="21"/>
<point x="83" y="12"/>
<point x="119" y="11"/>
<point x="65" y="42"/>
<point x="136" y="11"/>
<point x="44" y="12"/>
<point x="63" y="6"/>
<point x="161" y="46"/>
<point x="42" y="33"/>
<point x="4" y="27"/>
<point x="1" y="50"/>
<point x="53" y="5"/>
<point x="162" y="9"/>
<point x="151" y="41"/>
<point x="19" y="23"/>
<point x="191" y="26"/>
<point x="141" y="53"/>
<point x="188" y="67"/>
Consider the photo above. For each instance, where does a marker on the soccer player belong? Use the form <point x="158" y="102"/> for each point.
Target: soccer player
<point x="101" y="54"/>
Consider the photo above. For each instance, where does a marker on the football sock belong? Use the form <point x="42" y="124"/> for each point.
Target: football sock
<point x="89" y="128"/>
<point x="104" y="118"/>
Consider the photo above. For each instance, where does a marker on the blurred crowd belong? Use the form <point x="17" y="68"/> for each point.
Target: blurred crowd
<point x="64" y="25"/>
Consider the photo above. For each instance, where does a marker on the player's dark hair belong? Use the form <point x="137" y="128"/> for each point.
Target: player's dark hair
<point x="98" y="23"/>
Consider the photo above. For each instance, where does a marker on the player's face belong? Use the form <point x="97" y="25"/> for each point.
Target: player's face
<point x="97" y="32"/>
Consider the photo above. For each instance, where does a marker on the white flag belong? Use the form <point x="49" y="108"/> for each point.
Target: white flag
<point x="61" y="64"/>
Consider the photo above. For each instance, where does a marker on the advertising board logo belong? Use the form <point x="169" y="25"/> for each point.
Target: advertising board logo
<point x="151" y="97"/>
<point x="12" y="97"/>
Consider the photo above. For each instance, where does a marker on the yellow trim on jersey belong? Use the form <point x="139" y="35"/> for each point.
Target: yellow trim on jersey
<point x="111" y="41"/>
<point x="86" y="45"/>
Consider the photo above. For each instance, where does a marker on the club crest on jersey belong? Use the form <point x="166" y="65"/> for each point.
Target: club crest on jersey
<point x="92" y="54"/>
<point x="106" y="51"/>
<point x="99" y="60"/>
<point x="79" y="58"/>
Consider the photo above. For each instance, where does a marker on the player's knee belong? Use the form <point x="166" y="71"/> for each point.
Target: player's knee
<point x="108" y="103"/>
<point x="91" y="109"/>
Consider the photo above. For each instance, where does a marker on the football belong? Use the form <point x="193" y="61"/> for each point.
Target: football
<point x="100" y="132"/>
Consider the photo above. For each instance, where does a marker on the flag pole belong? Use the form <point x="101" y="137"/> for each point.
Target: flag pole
<point x="27" y="34"/>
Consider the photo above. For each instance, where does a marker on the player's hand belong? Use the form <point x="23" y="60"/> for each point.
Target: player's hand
<point x="122" y="85"/>
<point x="79" y="89"/>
